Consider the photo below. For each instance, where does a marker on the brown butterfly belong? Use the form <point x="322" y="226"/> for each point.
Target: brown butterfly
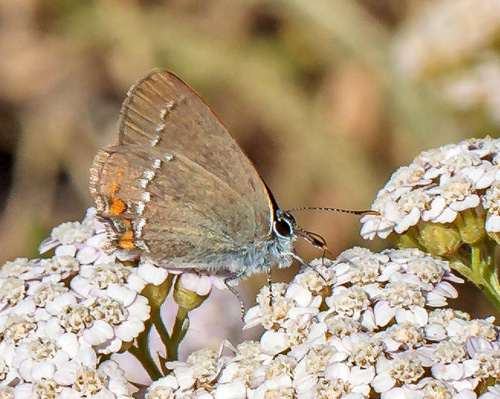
<point x="179" y="189"/>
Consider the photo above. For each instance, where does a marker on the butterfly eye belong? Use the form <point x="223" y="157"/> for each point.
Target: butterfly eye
<point x="283" y="224"/>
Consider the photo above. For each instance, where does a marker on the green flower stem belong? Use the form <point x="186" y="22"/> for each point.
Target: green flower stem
<point x="144" y="356"/>
<point x="494" y="289"/>
<point x="179" y="331"/>
<point x="476" y="265"/>
<point x="490" y="272"/>
<point x="490" y="249"/>
<point x="483" y="273"/>
<point x="460" y="267"/>
<point x="156" y="295"/>
<point x="160" y="328"/>
<point x="170" y="341"/>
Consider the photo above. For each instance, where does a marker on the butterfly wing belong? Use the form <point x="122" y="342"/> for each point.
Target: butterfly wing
<point x="177" y="184"/>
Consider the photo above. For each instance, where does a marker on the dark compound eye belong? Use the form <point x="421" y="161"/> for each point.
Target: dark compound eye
<point x="283" y="224"/>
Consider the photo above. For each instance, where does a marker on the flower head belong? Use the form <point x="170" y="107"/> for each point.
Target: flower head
<point x="358" y="334"/>
<point x="59" y="316"/>
<point x="455" y="186"/>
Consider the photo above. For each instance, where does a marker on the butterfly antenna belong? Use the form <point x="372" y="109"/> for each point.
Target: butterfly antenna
<point x="340" y="210"/>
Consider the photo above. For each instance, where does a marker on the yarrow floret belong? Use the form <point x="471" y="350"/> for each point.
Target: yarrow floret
<point x="351" y="336"/>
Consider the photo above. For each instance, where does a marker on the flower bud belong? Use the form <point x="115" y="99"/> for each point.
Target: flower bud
<point x="156" y="294"/>
<point x="440" y="239"/>
<point x="471" y="226"/>
<point x="185" y="298"/>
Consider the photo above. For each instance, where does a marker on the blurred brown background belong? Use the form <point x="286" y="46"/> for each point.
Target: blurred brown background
<point x="327" y="97"/>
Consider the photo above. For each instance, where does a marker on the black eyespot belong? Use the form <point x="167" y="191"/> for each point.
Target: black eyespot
<point x="283" y="224"/>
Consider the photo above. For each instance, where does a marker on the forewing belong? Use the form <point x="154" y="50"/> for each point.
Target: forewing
<point x="163" y="113"/>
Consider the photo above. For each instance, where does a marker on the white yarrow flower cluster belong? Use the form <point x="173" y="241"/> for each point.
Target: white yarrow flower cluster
<point x="447" y="33"/>
<point x="437" y="187"/>
<point x="450" y="45"/>
<point x="364" y="325"/>
<point x="60" y="316"/>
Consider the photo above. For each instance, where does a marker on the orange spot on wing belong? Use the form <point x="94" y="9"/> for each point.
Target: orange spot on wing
<point x="116" y="206"/>
<point x="127" y="240"/>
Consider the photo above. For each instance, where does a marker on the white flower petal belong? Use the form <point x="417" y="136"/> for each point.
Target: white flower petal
<point x="152" y="274"/>
<point x="492" y="223"/>
<point x="273" y="342"/>
<point x="232" y="390"/>
<point x="447" y="216"/>
<point x="382" y="382"/>
<point x="411" y="219"/>
<point x="99" y="333"/>
<point x="65" y="250"/>
<point x="383" y="313"/>
<point x="437" y="206"/>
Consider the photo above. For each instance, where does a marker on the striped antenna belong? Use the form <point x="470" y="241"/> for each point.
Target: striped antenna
<point x="319" y="208"/>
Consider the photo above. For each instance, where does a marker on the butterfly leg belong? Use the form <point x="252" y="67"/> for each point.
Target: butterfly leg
<point x="236" y="294"/>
